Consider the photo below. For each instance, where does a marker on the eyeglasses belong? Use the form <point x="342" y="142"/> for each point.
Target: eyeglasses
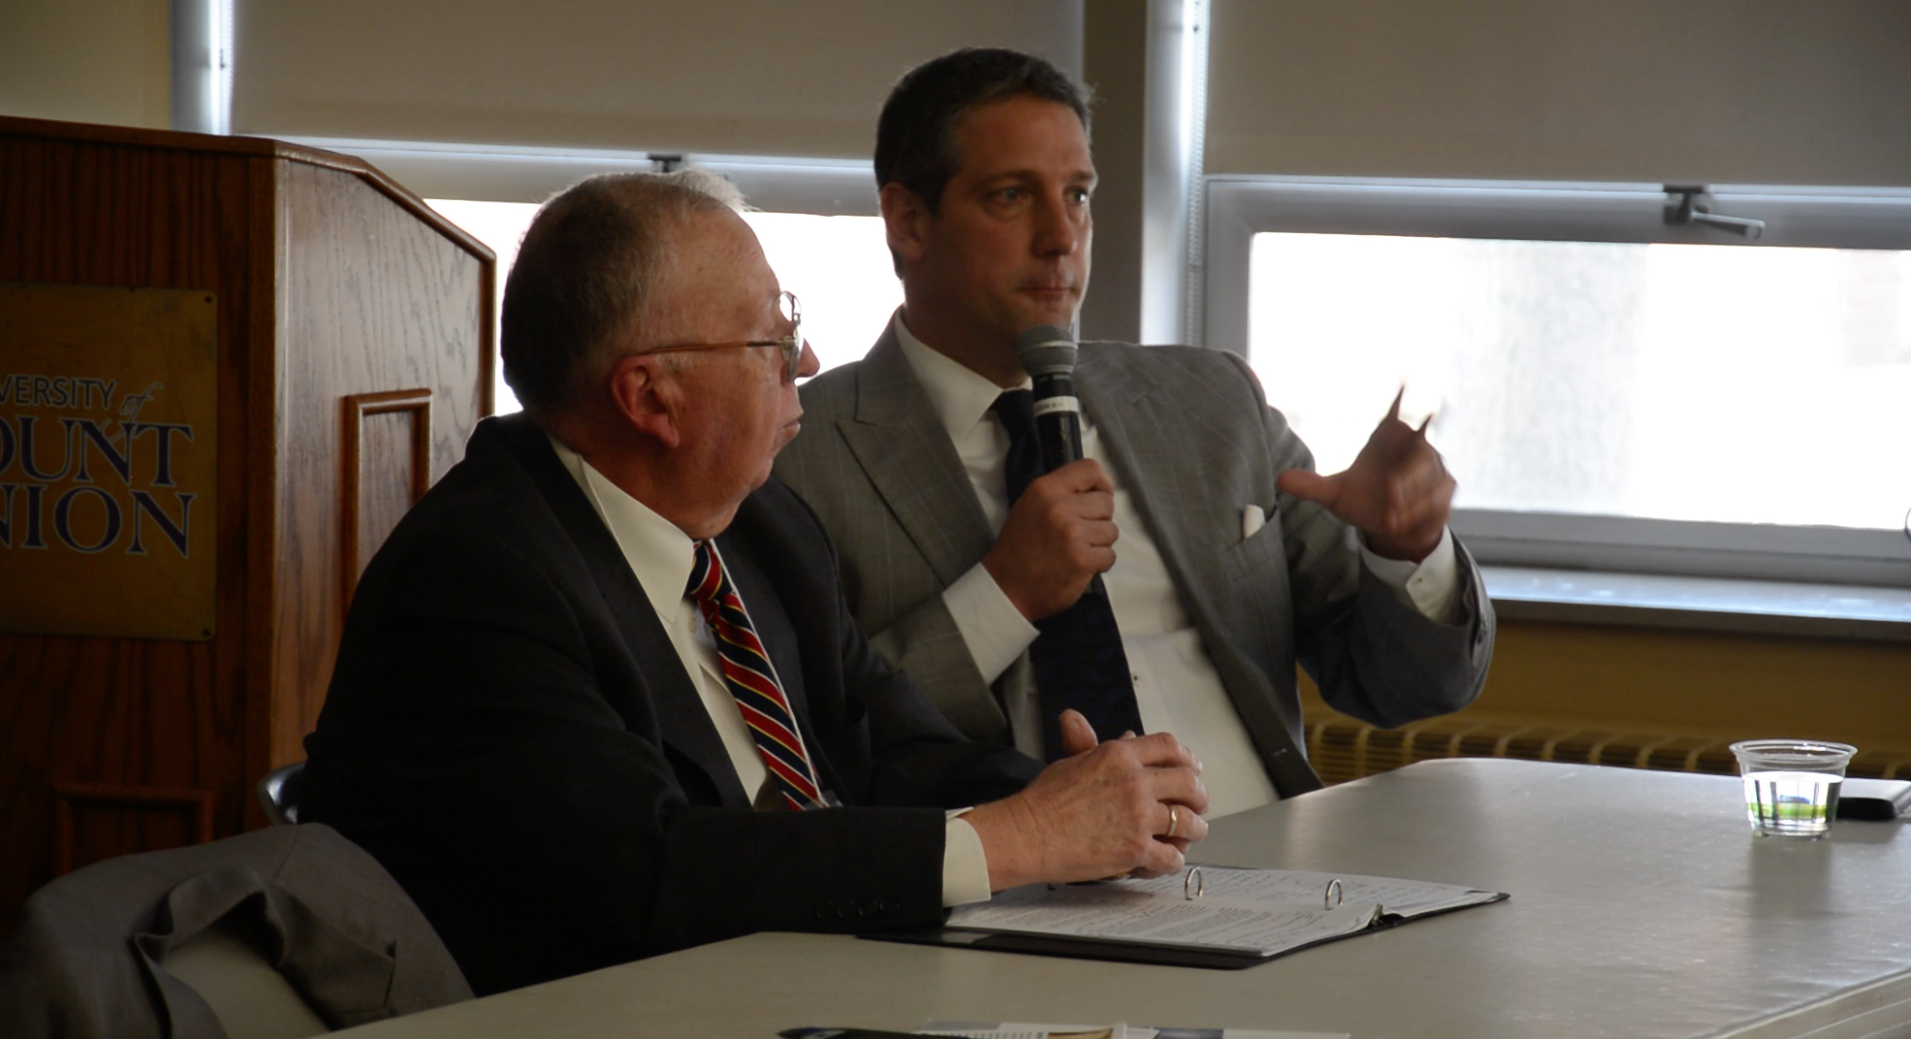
<point x="792" y="345"/>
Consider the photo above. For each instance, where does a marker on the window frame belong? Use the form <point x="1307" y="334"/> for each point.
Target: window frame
<point x="1239" y="207"/>
<point x="497" y="173"/>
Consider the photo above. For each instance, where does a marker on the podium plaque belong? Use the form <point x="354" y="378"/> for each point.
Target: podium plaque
<point x="108" y="445"/>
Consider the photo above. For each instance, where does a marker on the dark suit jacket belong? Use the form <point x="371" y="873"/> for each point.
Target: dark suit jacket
<point x="511" y="733"/>
<point x="1190" y="436"/>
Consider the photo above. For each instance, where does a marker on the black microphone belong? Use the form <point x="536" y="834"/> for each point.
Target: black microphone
<point x="1048" y="355"/>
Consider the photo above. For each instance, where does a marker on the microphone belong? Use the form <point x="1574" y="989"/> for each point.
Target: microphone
<point x="1048" y="355"/>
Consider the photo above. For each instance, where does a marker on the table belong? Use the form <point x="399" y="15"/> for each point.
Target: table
<point x="1642" y="907"/>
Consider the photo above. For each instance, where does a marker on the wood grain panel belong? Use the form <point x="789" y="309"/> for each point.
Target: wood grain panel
<point x="331" y="281"/>
<point x="385" y="467"/>
<point x="371" y="301"/>
<point x="97" y="821"/>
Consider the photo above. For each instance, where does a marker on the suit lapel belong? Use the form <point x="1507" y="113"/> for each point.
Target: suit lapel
<point x="1156" y="456"/>
<point x="684" y="723"/>
<point x="1151" y="456"/>
<point x="909" y="460"/>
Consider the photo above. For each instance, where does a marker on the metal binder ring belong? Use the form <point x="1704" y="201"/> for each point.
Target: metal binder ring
<point x="1174" y="820"/>
<point x="1335" y="894"/>
<point x="1193" y="884"/>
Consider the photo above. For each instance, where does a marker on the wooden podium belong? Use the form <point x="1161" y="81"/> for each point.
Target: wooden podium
<point x="173" y="582"/>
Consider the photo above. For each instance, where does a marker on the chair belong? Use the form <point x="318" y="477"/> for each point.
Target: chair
<point x="279" y="792"/>
<point x="283" y="932"/>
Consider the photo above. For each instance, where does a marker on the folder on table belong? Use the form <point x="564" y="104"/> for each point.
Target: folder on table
<point x="1210" y="916"/>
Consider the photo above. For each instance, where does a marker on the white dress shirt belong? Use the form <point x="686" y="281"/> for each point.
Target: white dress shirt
<point x="1176" y="686"/>
<point x="661" y="557"/>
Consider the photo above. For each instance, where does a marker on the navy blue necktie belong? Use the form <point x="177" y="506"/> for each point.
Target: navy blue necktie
<point x="1078" y="658"/>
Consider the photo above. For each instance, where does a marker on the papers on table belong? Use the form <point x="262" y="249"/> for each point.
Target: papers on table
<point x="1250" y="912"/>
<point x="1021" y="1030"/>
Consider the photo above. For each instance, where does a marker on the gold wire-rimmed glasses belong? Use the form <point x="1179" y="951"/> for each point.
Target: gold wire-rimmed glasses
<point x="791" y="345"/>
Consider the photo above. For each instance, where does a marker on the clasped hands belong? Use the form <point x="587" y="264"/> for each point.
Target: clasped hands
<point x="1131" y="805"/>
<point x="1061" y="532"/>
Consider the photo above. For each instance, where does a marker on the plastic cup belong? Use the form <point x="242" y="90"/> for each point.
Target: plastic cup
<point x="1791" y="786"/>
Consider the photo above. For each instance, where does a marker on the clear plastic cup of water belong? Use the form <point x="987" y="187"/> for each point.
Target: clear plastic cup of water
<point x="1791" y="786"/>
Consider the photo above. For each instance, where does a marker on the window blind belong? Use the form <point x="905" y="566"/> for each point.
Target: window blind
<point x="743" y="77"/>
<point x="1740" y="91"/>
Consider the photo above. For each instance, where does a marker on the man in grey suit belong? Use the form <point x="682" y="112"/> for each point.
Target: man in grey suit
<point x="1236" y="559"/>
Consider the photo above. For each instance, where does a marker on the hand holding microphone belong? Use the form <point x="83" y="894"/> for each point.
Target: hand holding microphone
<point x="1060" y="532"/>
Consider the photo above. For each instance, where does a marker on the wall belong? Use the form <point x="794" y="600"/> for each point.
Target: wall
<point x="1695" y="684"/>
<point x="87" y="61"/>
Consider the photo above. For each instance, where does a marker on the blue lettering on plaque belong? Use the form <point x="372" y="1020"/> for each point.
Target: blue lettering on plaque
<point x="28" y="423"/>
<point x="180" y="534"/>
<point x="90" y="431"/>
<point x="63" y="520"/>
<point x="36" y="492"/>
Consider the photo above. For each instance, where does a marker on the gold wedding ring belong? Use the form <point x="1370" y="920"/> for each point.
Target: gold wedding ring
<point x="1174" y="820"/>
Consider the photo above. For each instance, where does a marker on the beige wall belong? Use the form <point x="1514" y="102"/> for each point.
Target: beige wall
<point x="87" y="61"/>
<point x="1732" y="685"/>
<point x="1694" y="684"/>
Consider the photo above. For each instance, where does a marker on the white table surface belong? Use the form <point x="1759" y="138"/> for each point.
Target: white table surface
<point x="1642" y="907"/>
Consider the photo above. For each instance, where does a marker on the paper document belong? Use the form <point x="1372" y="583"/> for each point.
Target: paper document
<point x="1023" y="1030"/>
<point x="1255" y="912"/>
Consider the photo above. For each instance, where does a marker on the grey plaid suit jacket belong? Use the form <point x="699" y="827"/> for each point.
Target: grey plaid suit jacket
<point x="1190" y="435"/>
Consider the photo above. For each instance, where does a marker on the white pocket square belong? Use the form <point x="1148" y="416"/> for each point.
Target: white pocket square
<point x="1252" y="519"/>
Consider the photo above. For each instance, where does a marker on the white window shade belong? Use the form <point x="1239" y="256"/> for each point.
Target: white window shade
<point x="1739" y="91"/>
<point x="747" y="77"/>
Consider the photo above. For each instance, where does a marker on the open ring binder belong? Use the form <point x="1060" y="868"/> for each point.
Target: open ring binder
<point x="1223" y="916"/>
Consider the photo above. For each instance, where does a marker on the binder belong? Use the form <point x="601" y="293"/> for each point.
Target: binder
<point x="1217" y="917"/>
<point x="1874" y="800"/>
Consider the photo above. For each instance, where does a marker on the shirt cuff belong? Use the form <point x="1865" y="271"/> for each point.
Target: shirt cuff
<point x="993" y="629"/>
<point x="965" y="865"/>
<point x="1431" y="586"/>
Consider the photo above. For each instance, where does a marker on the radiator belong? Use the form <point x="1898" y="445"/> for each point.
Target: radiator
<point x="1342" y="748"/>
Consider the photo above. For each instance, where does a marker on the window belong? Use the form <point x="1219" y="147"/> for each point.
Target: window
<point x="837" y="265"/>
<point x="1612" y="390"/>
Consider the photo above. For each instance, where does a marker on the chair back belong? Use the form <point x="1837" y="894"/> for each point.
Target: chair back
<point x="279" y="792"/>
<point x="260" y="935"/>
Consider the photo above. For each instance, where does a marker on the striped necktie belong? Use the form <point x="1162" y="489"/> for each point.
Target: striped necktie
<point x="751" y="678"/>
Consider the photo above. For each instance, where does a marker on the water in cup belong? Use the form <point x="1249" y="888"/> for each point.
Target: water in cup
<point x="1791" y="786"/>
<point x="1791" y="804"/>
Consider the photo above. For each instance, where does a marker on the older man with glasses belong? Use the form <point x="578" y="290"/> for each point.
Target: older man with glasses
<point x="600" y="696"/>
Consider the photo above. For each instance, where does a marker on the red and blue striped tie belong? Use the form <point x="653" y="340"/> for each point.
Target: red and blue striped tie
<point x="752" y="680"/>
